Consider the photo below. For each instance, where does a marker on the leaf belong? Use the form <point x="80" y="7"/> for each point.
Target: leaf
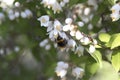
<point x="112" y="2"/>
<point x="114" y="41"/>
<point x="106" y="72"/>
<point x="91" y="67"/>
<point x="116" y="60"/>
<point x="104" y="37"/>
<point x="97" y="56"/>
<point x="95" y="20"/>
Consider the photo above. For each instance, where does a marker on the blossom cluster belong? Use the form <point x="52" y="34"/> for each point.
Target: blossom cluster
<point x="15" y="12"/>
<point x="75" y="39"/>
<point x="62" y="69"/>
<point x="56" y="5"/>
<point x="115" y="12"/>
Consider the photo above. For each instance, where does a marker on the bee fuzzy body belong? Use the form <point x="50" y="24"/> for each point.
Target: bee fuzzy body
<point x="61" y="42"/>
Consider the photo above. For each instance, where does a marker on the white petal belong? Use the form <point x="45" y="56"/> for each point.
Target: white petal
<point x="80" y="23"/>
<point x="78" y="35"/>
<point x="66" y="28"/>
<point x="63" y="35"/>
<point x="72" y="33"/>
<point x="44" y="20"/>
<point x="86" y="11"/>
<point x="62" y="4"/>
<point x="115" y="16"/>
<point x="56" y="8"/>
<point x="61" y="73"/>
<point x="50" y="26"/>
<point x="71" y="43"/>
<point x="91" y="48"/>
<point x="57" y="25"/>
<point x="68" y="20"/>
<point x="47" y="47"/>
<point x="77" y="72"/>
<point x="116" y="7"/>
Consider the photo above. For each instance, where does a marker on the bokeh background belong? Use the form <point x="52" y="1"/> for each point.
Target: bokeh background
<point x="21" y="54"/>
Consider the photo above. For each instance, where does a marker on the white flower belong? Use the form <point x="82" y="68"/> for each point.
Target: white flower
<point x="72" y="33"/>
<point x="16" y="48"/>
<point x="44" y="20"/>
<point x="115" y="12"/>
<point x="115" y="8"/>
<point x="1" y="51"/>
<point x="78" y="72"/>
<point x="71" y="43"/>
<point x="62" y="4"/>
<point x="85" y="40"/>
<point x="56" y="8"/>
<point x="115" y="16"/>
<point x="43" y="43"/>
<point x="66" y="27"/>
<point x="63" y="35"/>
<point x="68" y="20"/>
<point x="54" y="34"/>
<point x="28" y="13"/>
<point x="78" y="35"/>
<point x="61" y="72"/>
<point x="94" y="41"/>
<point x="51" y="35"/>
<point x="57" y="25"/>
<point x="91" y="48"/>
<point x="17" y="14"/>
<point x="47" y="47"/>
<point x="50" y="26"/>
<point x="87" y="11"/>
<point x="11" y="16"/>
<point x="45" y="2"/>
<point x="61" y="69"/>
<point x="17" y="4"/>
<point x="80" y="23"/>
<point x="23" y="14"/>
<point x="62" y="64"/>
<point x="55" y="31"/>
<point x="79" y="50"/>
<point x="10" y="11"/>
<point x="72" y="27"/>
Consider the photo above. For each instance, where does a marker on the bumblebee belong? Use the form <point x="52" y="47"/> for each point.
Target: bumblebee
<point x="61" y="42"/>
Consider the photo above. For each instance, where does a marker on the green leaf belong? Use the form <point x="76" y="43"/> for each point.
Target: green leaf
<point x="91" y="67"/>
<point x="116" y="60"/>
<point x="109" y="2"/>
<point x="95" y="19"/>
<point x="97" y="56"/>
<point x="112" y="2"/>
<point x="104" y="37"/>
<point x="114" y="41"/>
<point x="106" y="72"/>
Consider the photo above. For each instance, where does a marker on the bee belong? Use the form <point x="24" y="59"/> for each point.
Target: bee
<point x="61" y="42"/>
